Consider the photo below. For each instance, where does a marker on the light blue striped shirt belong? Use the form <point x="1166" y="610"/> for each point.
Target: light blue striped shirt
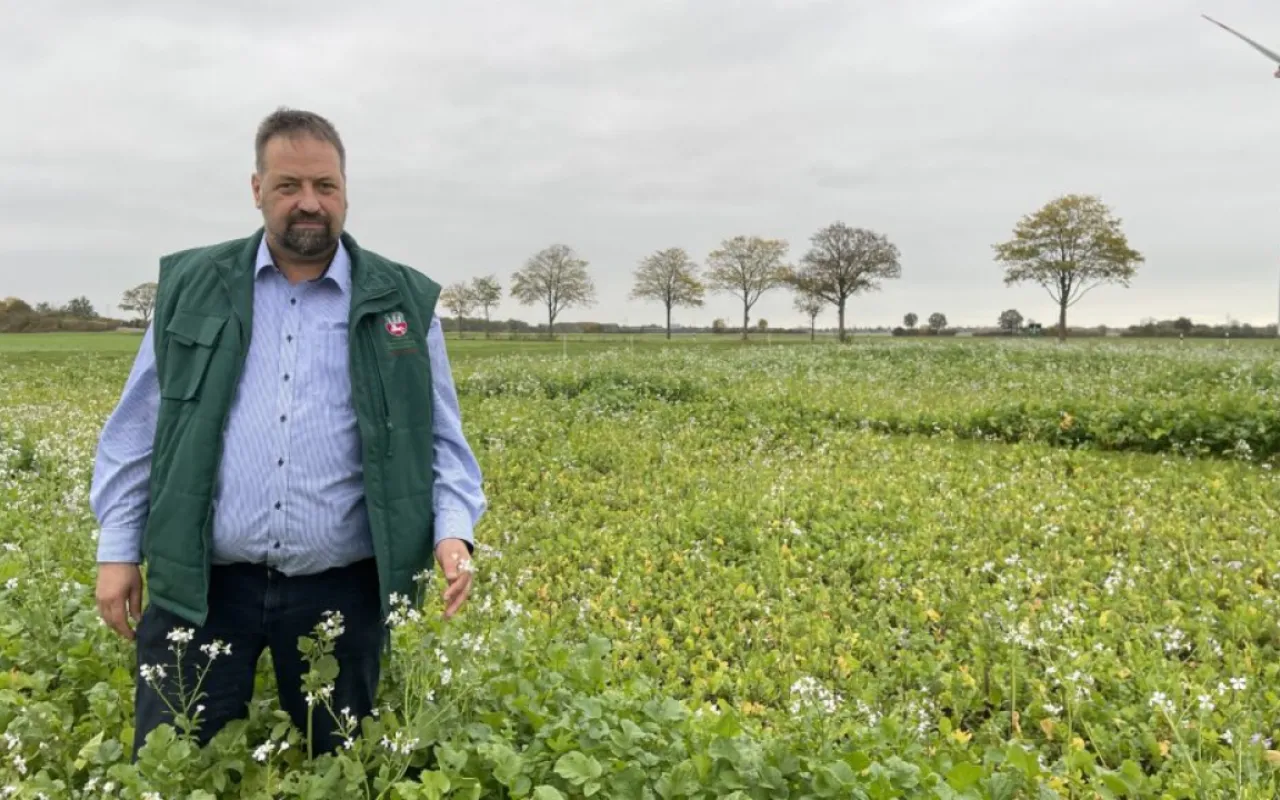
<point x="288" y="494"/>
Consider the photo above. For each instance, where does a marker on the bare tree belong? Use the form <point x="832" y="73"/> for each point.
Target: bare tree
<point x="1070" y="246"/>
<point x="488" y="293"/>
<point x="811" y="306"/>
<point x="554" y="276"/>
<point x="459" y="299"/>
<point x="141" y="299"/>
<point x="670" y="277"/>
<point x="844" y="261"/>
<point x="747" y="267"/>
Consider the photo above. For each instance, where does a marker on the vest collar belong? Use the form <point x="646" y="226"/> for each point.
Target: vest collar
<point x="371" y="281"/>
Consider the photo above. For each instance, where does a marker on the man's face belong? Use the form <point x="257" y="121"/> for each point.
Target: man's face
<point x="302" y="194"/>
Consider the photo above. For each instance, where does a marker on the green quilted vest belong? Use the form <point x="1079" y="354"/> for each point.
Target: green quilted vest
<point x="202" y="324"/>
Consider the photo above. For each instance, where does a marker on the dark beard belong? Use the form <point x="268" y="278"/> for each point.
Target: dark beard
<point x="307" y="242"/>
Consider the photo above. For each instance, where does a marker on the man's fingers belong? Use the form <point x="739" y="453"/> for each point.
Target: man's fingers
<point x="135" y="602"/>
<point x="456" y="594"/>
<point x="113" y="613"/>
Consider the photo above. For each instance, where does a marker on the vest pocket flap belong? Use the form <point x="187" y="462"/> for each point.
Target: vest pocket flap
<point x="188" y="351"/>
<point x="189" y="328"/>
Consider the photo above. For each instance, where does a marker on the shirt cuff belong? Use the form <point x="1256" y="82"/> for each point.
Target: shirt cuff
<point x="120" y="545"/>
<point x="454" y="523"/>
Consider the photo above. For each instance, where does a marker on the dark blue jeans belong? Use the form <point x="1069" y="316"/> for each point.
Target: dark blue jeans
<point x="252" y="607"/>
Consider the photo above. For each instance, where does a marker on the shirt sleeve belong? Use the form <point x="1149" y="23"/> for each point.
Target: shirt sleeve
<point x="458" y="493"/>
<point x="119" y="493"/>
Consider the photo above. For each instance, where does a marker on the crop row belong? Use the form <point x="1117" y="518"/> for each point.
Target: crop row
<point x="1188" y="401"/>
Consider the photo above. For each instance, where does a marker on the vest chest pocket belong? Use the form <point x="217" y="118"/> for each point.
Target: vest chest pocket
<point x="190" y="340"/>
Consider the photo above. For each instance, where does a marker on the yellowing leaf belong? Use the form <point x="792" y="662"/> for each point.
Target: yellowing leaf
<point x="1047" y="725"/>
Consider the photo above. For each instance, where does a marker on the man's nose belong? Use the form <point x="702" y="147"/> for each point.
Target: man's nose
<point x="309" y="201"/>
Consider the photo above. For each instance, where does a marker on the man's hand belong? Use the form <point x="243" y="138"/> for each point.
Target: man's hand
<point x="455" y="560"/>
<point x="120" y="596"/>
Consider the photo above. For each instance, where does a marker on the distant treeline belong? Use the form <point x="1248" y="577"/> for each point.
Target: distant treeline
<point x="17" y="316"/>
<point x="1182" y="326"/>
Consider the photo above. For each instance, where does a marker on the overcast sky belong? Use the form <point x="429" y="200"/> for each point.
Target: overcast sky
<point x="480" y="132"/>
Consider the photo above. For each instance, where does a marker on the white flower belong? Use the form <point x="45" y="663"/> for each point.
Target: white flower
<point x="1239" y="684"/>
<point x="1160" y="701"/>
<point x="324" y="692"/>
<point x="332" y="626"/>
<point x="401" y="744"/>
<point x="181" y="635"/>
<point x="216" y="648"/>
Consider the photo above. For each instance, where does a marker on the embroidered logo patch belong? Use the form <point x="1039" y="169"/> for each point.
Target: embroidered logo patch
<point x="395" y="324"/>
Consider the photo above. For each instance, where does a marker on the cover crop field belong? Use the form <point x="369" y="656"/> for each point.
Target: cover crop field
<point x="960" y="569"/>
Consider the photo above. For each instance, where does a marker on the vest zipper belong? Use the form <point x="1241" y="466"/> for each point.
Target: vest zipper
<point x="226" y="419"/>
<point x="379" y="388"/>
<point x="372" y="305"/>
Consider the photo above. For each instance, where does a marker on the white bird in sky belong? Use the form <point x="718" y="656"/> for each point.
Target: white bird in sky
<point x="1271" y="54"/>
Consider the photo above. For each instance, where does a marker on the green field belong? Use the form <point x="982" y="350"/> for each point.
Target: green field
<point x="945" y="569"/>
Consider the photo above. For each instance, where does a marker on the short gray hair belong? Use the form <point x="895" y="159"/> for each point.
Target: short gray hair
<point x="293" y="122"/>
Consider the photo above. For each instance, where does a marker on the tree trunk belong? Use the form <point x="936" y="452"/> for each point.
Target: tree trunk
<point x="813" y="328"/>
<point x="668" y="322"/>
<point x="459" y="326"/>
<point x="1062" y="321"/>
<point x="486" y="322"/>
<point x="840" y="306"/>
<point x="746" y="318"/>
<point x="551" y="324"/>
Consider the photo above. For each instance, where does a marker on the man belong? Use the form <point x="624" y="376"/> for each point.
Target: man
<point x="288" y="443"/>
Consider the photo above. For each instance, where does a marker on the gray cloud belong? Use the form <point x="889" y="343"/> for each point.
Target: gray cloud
<point x="478" y="133"/>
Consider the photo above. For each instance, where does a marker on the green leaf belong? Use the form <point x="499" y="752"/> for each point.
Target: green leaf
<point x="545" y="792"/>
<point x="578" y="768"/>
<point x="964" y="775"/>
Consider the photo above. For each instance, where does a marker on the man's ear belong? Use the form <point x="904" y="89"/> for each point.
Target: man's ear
<point x="256" y="183"/>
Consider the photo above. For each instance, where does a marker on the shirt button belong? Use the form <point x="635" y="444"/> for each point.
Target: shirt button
<point x="277" y="545"/>
<point x="282" y="417"/>
<point x="289" y="338"/>
<point x="280" y="463"/>
<point x="286" y="376"/>
<point x="277" y="504"/>
<point x="293" y="301"/>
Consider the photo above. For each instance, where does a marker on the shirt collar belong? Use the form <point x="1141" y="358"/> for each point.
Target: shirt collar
<point x="338" y="273"/>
